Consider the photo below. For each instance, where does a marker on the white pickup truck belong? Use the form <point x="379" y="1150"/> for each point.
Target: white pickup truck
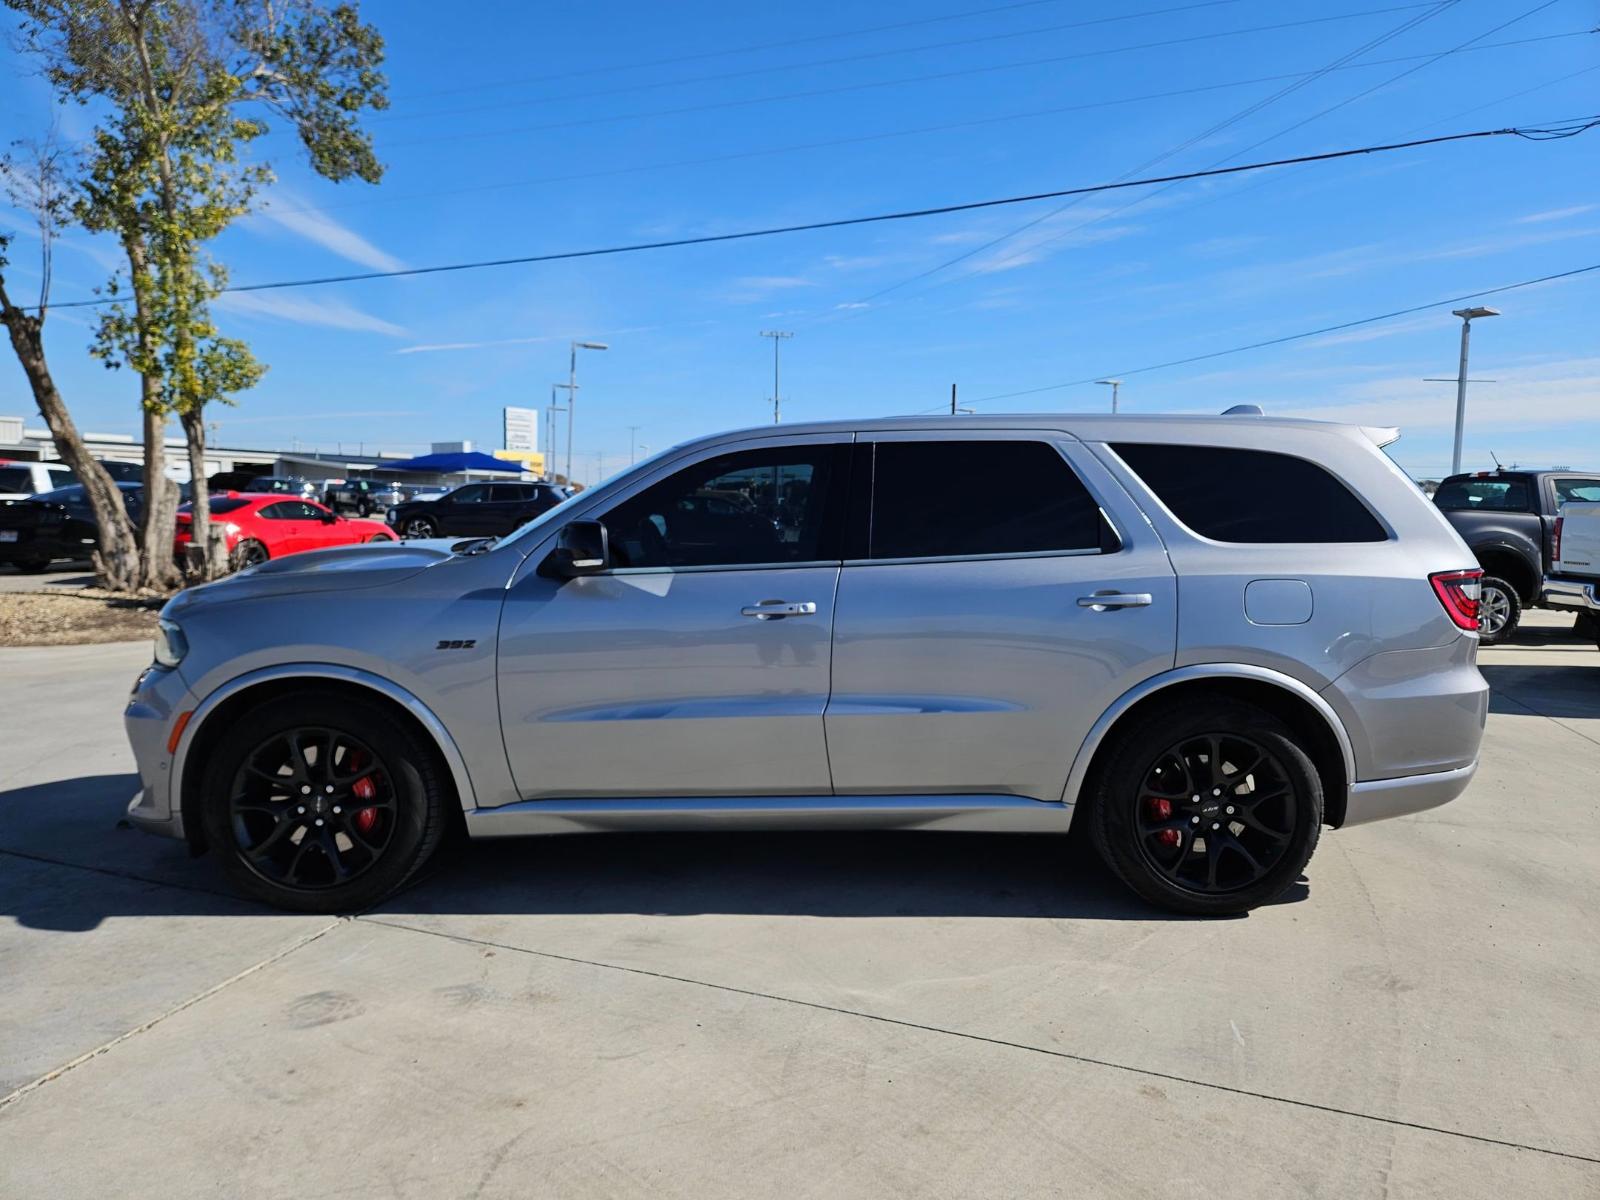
<point x="1574" y="580"/>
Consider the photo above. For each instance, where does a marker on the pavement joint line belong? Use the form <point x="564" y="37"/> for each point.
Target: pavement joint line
<point x="1142" y="1072"/>
<point x="22" y="1091"/>
<point x="128" y="875"/>
<point x="1554" y="720"/>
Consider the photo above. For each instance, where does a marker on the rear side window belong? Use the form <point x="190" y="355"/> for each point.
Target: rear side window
<point x="1583" y="490"/>
<point x="957" y="499"/>
<point x="1490" y="495"/>
<point x="1231" y="495"/>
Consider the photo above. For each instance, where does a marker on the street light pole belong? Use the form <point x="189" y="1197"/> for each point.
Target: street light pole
<point x="1114" y="385"/>
<point x="572" y="393"/>
<point x="1466" y="315"/>
<point x="632" y="430"/>
<point x="777" y="336"/>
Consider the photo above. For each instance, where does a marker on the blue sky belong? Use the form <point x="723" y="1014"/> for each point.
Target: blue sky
<point x="521" y="129"/>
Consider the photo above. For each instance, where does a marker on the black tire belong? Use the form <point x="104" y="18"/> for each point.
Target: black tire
<point x="415" y="819"/>
<point x="419" y="527"/>
<point x="1499" y="611"/>
<point x="248" y="553"/>
<point x="1285" y="778"/>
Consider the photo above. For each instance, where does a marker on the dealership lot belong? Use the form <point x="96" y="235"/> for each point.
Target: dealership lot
<point x="827" y="1015"/>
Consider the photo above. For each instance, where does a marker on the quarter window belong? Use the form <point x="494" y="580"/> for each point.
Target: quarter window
<point x="1231" y="495"/>
<point x="742" y="509"/>
<point x="958" y="499"/>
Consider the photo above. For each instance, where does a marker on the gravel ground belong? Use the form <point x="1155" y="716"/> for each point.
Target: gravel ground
<point x="75" y="618"/>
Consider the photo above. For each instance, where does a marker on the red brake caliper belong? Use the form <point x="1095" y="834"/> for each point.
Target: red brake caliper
<point x="365" y="789"/>
<point x="1160" y="809"/>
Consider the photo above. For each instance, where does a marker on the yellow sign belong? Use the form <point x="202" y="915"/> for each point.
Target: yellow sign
<point x="531" y="460"/>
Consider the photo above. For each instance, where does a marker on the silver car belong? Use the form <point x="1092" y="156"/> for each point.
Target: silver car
<point x="1195" y="640"/>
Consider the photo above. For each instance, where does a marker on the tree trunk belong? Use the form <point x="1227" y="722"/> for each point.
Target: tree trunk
<point x="214" y="563"/>
<point x="116" y="561"/>
<point x="157" y="569"/>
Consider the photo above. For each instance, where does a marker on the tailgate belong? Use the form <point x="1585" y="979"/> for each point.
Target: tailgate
<point x="1579" y="523"/>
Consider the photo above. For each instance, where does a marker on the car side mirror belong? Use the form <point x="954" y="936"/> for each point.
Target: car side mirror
<point x="328" y="518"/>
<point x="582" y="548"/>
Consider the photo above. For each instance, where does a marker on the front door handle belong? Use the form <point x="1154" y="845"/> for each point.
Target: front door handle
<point x="1101" y="601"/>
<point x="772" y="610"/>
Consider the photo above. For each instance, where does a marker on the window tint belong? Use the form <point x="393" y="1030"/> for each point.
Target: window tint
<point x="757" y="506"/>
<point x="473" y="493"/>
<point x="1577" y="489"/>
<point x="63" y="476"/>
<point x="288" y="510"/>
<point x="1251" y="495"/>
<point x="16" y="479"/>
<point x="1495" y="494"/>
<point x="941" y="499"/>
<point x="219" y="505"/>
<point x="510" y="493"/>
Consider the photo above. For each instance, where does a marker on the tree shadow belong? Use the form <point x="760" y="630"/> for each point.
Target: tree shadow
<point x="69" y="860"/>
<point x="1549" y="691"/>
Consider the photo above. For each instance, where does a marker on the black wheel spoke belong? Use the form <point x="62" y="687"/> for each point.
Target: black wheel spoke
<point x="267" y="845"/>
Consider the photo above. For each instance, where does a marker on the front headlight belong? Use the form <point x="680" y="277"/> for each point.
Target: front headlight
<point x="389" y="516"/>
<point x="171" y="645"/>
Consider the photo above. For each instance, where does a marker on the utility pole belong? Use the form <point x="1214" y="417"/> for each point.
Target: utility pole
<point x="1466" y="315"/>
<point x="632" y="430"/>
<point x="953" y="409"/>
<point x="550" y="430"/>
<point x="777" y="336"/>
<point x="599" y="465"/>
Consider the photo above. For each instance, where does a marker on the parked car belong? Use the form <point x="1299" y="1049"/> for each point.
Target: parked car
<point x="367" y="496"/>
<point x="1507" y="519"/>
<point x="881" y="651"/>
<point x="20" y="480"/>
<point x="283" y="485"/>
<point x="58" y="524"/>
<point x="264" y="527"/>
<point x="474" y="510"/>
<point x="1573" y="584"/>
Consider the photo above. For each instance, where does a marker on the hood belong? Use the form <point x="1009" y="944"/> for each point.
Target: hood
<point x="342" y="568"/>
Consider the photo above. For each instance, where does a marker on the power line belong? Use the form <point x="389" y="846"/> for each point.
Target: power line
<point x="1292" y="337"/>
<point x="970" y="123"/>
<point x="1342" y="60"/>
<point x="1566" y="131"/>
<point x="893" y="52"/>
<point x="964" y="72"/>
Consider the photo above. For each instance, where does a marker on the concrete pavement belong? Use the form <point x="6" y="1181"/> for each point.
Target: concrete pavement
<point x="811" y="1015"/>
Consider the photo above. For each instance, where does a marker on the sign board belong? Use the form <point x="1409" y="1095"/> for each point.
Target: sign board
<point x="521" y="429"/>
<point x="530" y="460"/>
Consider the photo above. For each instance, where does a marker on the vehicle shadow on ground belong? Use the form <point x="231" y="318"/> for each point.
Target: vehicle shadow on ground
<point x="1549" y="691"/>
<point x="69" y="861"/>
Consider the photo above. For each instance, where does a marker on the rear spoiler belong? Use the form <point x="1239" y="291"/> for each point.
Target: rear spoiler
<point x="1381" y="435"/>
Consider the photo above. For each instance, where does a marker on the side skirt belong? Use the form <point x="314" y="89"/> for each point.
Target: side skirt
<point x="967" y="814"/>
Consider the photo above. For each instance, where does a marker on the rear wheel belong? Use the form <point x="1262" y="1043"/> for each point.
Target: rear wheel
<point x="321" y="806"/>
<point x="1499" y="611"/>
<point x="1207" y="807"/>
<point x="419" y="527"/>
<point x="249" y="553"/>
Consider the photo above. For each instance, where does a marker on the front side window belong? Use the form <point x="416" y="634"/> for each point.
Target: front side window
<point x="475" y="493"/>
<point x="750" y="507"/>
<point x="281" y="512"/>
<point x="1491" y="495"/>
<point x="1583" y="490"/>
<point x="958" y="499"/>
<point x="1231" y="495"/>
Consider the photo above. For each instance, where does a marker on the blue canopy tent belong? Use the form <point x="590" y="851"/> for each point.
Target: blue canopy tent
<point x="454" y="464"/>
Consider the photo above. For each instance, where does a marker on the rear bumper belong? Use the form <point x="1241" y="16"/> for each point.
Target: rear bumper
<point x="1571" y="594"/>
<point x="1380" y="799"/>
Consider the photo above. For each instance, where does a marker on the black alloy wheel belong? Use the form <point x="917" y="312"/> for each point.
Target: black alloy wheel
<point x="312" y="808"/>
<point x="1205" y="805"/>
<point x="249" y="553"/>
<point x="1215" y="813"/>
<point x="419" y="527"/>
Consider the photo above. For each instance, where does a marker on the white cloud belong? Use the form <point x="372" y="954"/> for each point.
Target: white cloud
<point x="303" y="310"/>
<point x="1557" y="214"/>
<point x="1371" y="333"/>
<point x="303" y="220"/>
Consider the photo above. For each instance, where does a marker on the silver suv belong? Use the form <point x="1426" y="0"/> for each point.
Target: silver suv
<point x="1197" y="640"/>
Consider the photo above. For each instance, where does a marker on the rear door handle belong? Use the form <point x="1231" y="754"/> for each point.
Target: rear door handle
<point x="1101" y="601"/>
<point x="771" y="610"/>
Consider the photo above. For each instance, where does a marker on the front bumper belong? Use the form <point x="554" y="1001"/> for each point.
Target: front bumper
<point x="158" y="697"/>
<point x="1573" y="595"/>
<point x="1380" y="799"/>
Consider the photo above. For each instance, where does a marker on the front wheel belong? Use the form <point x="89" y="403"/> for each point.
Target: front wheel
<point x="419" y="527"/>
<point x="1499" y="611"/>
<point x="1207" y="807"/>
<point x="321" y="805"/>
<point x="249" y="553"/>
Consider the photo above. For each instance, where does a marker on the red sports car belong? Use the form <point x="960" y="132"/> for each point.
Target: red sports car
<point x="270" y="526"/>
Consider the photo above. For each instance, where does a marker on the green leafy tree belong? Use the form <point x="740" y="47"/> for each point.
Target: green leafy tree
<point x="186" y="86"/>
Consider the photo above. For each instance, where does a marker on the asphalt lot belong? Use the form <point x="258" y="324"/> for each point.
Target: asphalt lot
<point x="70" y="577"/>
<point x="821" y="1015"/>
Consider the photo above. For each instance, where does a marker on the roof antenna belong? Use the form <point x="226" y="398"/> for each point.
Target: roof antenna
<point x="1496" y="458"/>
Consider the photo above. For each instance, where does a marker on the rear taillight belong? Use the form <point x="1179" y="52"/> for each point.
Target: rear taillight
<point x="1555" y="541"/>
<point x="1458" y="591"/>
